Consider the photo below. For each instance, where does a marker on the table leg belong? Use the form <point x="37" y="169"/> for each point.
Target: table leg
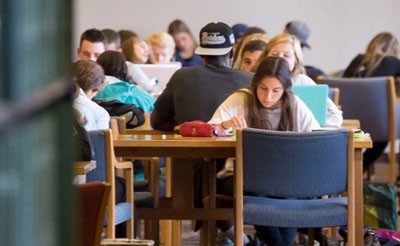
<point x="359" y="203"/>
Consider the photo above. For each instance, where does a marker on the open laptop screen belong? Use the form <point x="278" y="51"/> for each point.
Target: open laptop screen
<point x="163" y="72"/>
<point x="316" y="99"/>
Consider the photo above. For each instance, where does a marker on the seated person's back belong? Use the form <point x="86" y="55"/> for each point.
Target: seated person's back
<point x="195" y="93"/>
<point x="89" y="78"/>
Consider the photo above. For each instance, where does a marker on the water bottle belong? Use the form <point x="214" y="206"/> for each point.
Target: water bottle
<point x="156" y="89"/>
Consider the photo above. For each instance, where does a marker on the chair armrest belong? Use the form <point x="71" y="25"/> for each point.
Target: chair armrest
<point x="83" y="167"/>
<point x="123" y="165"/>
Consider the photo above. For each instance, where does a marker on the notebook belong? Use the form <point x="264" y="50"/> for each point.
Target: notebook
<point x="163" y="72"/>
<point x="316" y="99"/>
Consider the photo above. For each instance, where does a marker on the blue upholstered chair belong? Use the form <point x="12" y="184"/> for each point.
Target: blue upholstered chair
<point x="373" y="102"/>
<point x="297" y="166"/>
<point x="149" y="194"/>
<point x="101" y="142"/>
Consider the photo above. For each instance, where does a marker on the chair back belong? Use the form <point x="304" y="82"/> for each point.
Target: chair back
<point x="370" y="100"/>
<point x="316" y="99"/>
<point x="98" y="143"/>
<point x="102" y="144"/>
<point x="91" y="202"/>
<point x="291" y="164"/>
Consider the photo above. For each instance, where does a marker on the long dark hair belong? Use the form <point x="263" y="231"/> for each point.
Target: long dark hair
<point x="114" y="64"/>
<point x="276" y="67"/>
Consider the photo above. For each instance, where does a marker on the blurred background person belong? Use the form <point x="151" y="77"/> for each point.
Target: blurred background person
<point x="249" y="31"/>
<point x="302" y="32"/>
<point x="381" y="58"/>
<point x="185" y="44"/>
<point x="136" y="51"/>
<point x="89" y="77"/>
<point x="238" y="32"/>
<point x="112" y="39"/>
<point x="91" y="45"/>
<point x="119" y="85"/>
<point x="126" y="34"/>
<point x="259" y="42"/>
<point x="162" y="47"/>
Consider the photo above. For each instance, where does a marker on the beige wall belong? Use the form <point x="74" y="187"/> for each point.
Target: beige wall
<point x="340" y="28"/>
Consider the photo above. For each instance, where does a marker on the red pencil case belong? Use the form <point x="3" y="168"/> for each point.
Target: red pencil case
<point x="198" y="128"/>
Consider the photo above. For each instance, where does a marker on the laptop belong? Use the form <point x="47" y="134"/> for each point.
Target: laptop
<point x="162" y="72"/>
<point x="316" y="99"/>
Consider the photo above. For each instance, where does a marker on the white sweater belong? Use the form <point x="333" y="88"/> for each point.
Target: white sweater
<point x="334" y="116"/>
<point x="236" y="105"/>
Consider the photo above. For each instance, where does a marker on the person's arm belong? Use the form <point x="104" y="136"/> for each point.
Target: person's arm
<point x="235" y="123"/>
<point x="334" y="116"/>
<point x="231" y="113"/>
<point x="140" y="77"/>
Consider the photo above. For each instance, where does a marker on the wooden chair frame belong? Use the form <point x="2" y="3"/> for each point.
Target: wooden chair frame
<point x="127" y="171"/>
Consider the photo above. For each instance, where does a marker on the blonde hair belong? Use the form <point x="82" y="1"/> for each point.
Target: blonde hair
<point x="246" y="40"/>
<point x="382" y="45"/>
<point x="162" y="39"/>
<point x="290" y="39"/>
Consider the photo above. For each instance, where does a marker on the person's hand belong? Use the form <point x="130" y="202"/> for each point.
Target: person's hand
<point x="235" y="123"/>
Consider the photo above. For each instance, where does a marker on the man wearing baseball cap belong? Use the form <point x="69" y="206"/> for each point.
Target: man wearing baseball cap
<point x="194" y="93"/>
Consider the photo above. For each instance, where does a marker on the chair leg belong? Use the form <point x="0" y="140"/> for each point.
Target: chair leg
<point x="332" y="232"/>
<point x="152" y="231"/>
<point x="311" y="237"/>
<point x="370" y="172"/>
<point x="176" y="232"/>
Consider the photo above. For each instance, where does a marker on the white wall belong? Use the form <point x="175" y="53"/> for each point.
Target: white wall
<point x="340" y="28"/>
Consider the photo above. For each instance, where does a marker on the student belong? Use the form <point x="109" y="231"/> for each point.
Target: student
<point x="381" y="58"/>
<point x="302" y="32"/>
<point x="91" y="45"/>
<point x="253" y="50"/>
<point x="111" y="39"/>
<point x="162" y="47"/>
<point x="238" y="32"/>
<point x="288" y="47"/>
<point x="185" y="44"/>
<point x="118" y="86"/>
<point x="194" y="93"/>
<point x="267" y="104"/>
<point x="136" y="51"/>
<point x="82" y="148"/>
<point x="261" y="34"/>
<point x="126" y="34"/>
<point x="90" y="78"/>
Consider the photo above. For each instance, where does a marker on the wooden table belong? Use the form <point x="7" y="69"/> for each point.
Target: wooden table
<point x="180" y="205"/>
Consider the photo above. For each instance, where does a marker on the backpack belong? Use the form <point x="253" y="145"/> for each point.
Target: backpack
<point x="134" y="115"/>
